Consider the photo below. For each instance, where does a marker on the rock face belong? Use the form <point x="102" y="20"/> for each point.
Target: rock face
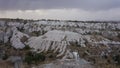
<point x="66" y="39"/>
<point x="16" y="39"/>
<point x="56" y="40"/>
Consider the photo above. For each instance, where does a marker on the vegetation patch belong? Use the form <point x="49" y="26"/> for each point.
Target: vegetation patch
<point x="34" y="58"/>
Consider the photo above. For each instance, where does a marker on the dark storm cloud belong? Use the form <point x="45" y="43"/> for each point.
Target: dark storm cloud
<point x="58" y="4"/>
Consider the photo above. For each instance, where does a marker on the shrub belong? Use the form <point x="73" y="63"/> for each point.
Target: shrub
<point x="117" y="59"/>
<point x="28" y="59"/>
<point x="5" y="57"/>
<point x="118" y="36"/>
<point x="38" y="58"/>
<point x="27" y="47"/>
<point x="34" y="57"/>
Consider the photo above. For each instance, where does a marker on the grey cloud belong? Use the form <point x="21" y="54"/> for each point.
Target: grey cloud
<point x="58" y="4"/>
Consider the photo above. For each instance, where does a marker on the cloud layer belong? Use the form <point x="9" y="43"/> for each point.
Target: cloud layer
<point x="58" y="4"/>
<point x="64" y="14"/>
<point x="61" y="9"/>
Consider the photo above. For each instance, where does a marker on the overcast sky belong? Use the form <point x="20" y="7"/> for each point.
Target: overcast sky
<point x="61" y="9"/>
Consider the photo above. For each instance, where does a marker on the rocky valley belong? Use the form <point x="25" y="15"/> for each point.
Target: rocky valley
<point x="59" y="44"/>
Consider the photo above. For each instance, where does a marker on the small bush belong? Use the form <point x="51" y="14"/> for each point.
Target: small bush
<point x="117" y="59"/>
<point x="27" y="47"/>
<point x="34" y="58"/>
<point x="5" y="57"/>
<point x="118" y="36"/>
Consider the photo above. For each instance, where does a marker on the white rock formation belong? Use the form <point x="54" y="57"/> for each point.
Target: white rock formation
<point x="56" y="40"/>
<point x="16" y="39"/>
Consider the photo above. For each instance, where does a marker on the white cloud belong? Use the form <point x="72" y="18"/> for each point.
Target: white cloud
<point x="95" y="5"/>
<point x="69" y="14"/>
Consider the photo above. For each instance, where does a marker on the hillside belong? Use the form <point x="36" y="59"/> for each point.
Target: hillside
<point x="57" y="43"/>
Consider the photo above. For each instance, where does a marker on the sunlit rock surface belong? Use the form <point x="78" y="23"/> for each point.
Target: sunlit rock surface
<point x="56" y="40"/>
<point x="67" y="39"/>
<point x="16" y="39"/>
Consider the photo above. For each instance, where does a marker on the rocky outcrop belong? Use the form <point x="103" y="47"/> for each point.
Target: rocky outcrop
<point x="56" y="41"/>
<point x="62" y="38"/>
<point x="16" y="39"/>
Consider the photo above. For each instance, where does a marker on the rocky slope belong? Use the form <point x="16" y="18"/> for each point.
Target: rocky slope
<point x="91" y="40"/>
